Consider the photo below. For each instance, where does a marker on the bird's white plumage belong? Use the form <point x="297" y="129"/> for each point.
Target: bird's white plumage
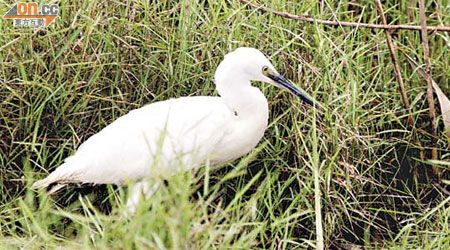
<point x="147" y="141"/>
<point x="161" y="138"/>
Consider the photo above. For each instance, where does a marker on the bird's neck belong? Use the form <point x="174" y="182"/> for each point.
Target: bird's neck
<point x="244" y="100"/>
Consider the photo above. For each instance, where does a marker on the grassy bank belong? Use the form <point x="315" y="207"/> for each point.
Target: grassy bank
<point x="99" y="59"/>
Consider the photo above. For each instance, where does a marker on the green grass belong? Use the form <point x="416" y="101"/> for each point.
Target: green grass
<point x="100" y="59"/>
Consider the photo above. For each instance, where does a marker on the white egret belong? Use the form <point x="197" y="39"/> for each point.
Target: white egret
<point x="160" y="138"/>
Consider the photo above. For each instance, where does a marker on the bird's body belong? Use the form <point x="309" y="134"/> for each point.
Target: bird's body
<point x="165" y="137"/>
<point x="161" y="136"/>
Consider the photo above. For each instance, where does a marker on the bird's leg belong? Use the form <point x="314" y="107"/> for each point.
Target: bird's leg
<point x="140" y="188"/>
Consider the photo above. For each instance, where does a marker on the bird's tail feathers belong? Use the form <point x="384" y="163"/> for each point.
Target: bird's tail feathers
<point x="63" y="174"/>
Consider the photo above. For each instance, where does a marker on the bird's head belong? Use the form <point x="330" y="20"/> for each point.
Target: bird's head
<point x="249" y="64"/>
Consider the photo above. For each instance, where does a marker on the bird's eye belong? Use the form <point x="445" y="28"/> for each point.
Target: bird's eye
<point x="265" y="70"/>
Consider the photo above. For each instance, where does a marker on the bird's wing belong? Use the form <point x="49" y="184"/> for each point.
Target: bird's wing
<point x="156" y="139"/>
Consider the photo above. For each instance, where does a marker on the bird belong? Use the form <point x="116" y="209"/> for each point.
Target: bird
<point x="163" y="138"/>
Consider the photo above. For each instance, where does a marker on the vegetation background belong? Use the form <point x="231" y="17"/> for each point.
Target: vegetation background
<point x="99" y="59"/>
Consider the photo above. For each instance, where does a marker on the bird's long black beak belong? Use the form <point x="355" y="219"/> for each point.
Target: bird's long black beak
<point x="284" y="83"/>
